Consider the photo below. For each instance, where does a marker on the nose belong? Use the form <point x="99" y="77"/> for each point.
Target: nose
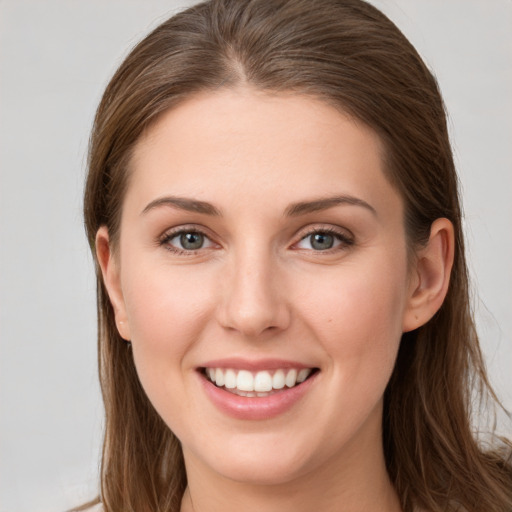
<point x="254" y="301"/>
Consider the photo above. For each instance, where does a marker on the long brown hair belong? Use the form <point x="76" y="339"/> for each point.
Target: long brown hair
<point x="348" y="54"/>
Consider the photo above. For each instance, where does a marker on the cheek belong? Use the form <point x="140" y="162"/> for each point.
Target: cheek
<point x="167" y="308"/>
<point x="357" y="315"/>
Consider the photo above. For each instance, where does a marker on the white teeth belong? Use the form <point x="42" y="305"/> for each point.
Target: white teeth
<point x="230" y="379"/>
<point x="303" y="374"/>
<point x="291" y="378"/>
<point x="263" y="382"/>
<point x="219" y="377"/>
<point x="246" y="383"/>
<point x="278" y="380"/>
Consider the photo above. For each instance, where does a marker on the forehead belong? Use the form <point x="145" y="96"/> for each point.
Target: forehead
<point x="270" y="149"/>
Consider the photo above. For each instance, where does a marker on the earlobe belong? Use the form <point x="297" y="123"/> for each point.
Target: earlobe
<point x="111" y="277"/>
<point x="431" y="276"/>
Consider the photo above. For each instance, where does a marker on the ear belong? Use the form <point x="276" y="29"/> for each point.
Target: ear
<point x="430" y="276"/>
<point x="109" y="265"/>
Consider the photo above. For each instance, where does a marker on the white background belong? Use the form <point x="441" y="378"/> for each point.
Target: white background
<point x="56" y="57"/>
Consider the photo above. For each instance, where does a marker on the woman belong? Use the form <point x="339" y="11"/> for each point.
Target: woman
<point x="283" y="304"/>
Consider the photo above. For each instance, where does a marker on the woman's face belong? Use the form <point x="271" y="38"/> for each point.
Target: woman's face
<point x="261" y="245"/>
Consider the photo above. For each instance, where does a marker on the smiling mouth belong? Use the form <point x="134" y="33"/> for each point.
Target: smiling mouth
<point x="257" y="384"/>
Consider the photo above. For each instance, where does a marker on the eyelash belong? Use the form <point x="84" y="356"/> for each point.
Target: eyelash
<point x="170" y="235"/>
<point x="345" y="240"/>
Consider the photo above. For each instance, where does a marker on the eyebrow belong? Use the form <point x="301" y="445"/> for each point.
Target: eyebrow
<point x="294" y="210"/>
<point x="183" y="203"/>
<point x="316" y="205"/>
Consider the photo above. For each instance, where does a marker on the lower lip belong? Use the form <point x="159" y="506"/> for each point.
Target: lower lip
<point x="256" y="408"/>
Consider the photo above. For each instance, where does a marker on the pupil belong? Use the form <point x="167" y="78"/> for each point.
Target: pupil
<point x="322" y="241"/>
<point x="191" y="241"/>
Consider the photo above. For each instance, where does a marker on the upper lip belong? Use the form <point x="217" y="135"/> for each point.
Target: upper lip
<point x="237" y="363"/>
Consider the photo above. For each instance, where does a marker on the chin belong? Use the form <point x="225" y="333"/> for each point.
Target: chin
<point x="267" y="459"/>
<point x="261" y="472"/>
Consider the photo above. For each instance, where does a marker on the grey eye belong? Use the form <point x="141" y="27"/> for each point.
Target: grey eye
<point x="191" y="241"/>
<point x="321" y="241"/>
<point x="324" y="241"/>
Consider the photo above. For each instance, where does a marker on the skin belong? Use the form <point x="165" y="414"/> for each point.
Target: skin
<point x="259" y="289"/>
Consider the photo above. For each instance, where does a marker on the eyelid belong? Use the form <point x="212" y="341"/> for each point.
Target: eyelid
<point x="343" y="235"/>
<point x="169" y="234"/>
